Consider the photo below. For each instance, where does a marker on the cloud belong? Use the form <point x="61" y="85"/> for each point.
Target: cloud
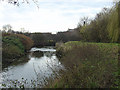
<point x="52" y="15"/>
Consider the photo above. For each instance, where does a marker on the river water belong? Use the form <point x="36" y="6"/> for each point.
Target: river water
<point x="42" y="65"/>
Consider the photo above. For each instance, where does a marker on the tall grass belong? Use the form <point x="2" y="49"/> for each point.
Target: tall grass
<point x="89" y="65"/>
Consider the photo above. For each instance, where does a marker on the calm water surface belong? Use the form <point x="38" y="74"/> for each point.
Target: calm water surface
<point x="41" y="64"/>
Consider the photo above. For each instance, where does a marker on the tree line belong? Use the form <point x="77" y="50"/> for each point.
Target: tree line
<point x="105" y="27"/>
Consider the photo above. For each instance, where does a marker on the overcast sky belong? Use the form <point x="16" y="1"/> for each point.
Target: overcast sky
<point x="52" y="15"/>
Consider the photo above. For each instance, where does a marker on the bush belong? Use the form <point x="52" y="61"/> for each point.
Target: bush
<point x="89" y="65"/>
<point x="104" y="28"/>
<point x="26" y="41"/>
<point x="14" y="46"/>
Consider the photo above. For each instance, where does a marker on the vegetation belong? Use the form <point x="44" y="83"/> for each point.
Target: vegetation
<point x="91" y="60"/>
<point x="114" y="23"/>
<point x="104" y="28"/>
<point x="19" y="2"/>
<point x="48" y="39"/>
<point x="26" y="41"/>
<point x="88" y="65"/>
<point x="14" y="46"/>
<point x="42" y="39"/>
<point x="69" y="35"/>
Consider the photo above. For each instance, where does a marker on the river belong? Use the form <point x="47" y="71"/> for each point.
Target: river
<point x="42" y="65"/>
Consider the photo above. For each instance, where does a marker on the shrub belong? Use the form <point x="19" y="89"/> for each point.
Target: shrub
<point x="26" y="41"/>
<point x="14" y="46"/>
<point x="89" y="65"/>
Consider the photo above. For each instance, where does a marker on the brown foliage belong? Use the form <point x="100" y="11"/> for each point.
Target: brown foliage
<point x="26" y="41"/>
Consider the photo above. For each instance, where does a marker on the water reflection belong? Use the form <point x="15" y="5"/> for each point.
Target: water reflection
<point x="17" y="61"/>
<point x="49" y="54"/>
<point x="42" y="63"/>
<point x="37" y="54"/>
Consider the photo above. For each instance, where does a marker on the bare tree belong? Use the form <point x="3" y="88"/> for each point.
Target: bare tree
<point x="83" y="21"/>
<point x="18" y="2"/>
<point x="7" y="28"/>
<point x="22" y="30"/>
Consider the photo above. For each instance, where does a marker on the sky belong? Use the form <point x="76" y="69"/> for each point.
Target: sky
<point x="51" y="16"/>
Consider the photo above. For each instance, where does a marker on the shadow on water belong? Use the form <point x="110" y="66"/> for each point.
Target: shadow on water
<point x="42" y="64"/>
<point x="16" y="61"/>
<point x="37" y="54"/>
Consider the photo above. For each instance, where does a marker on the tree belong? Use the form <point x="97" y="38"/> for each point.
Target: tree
<point x="7" y="28"/>
<point x="95" y="30"/>
<point x="84" y="21"/>
<point x="119" y="21"/>
<point x="18" y="2"/>
<point x="114" y="23"/>
<point x="22" y="30"/>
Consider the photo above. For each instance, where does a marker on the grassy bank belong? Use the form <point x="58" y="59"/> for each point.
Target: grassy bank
<point x="88" y="65"/>
<point x="14" y="46"/>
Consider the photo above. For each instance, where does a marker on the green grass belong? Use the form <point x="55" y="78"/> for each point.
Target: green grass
<point x="89" y="65"/>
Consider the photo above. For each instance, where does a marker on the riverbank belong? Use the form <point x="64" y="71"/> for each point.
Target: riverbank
<point x="89" y="65"/>
<point x="42" y="64"/>
<point x="14" y="46"/>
